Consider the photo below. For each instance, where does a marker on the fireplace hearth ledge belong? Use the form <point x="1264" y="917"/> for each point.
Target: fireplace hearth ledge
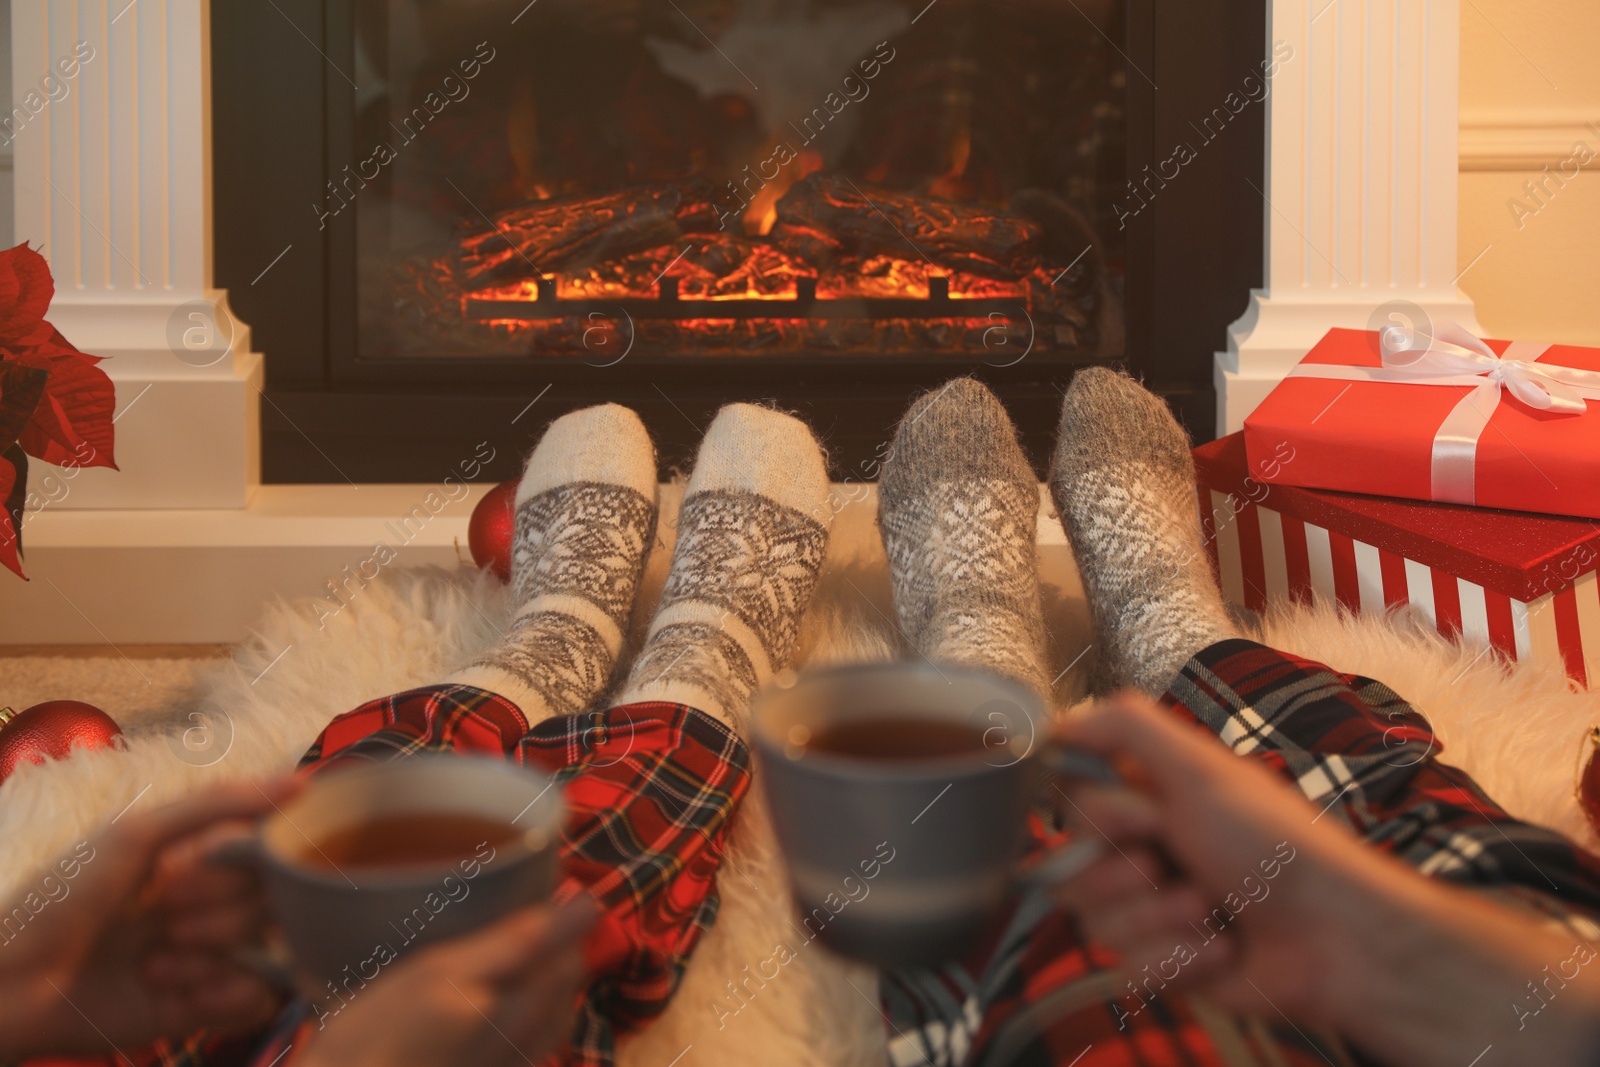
<point x="182" y="544"/>
<point x="150" y="576"/>
<point x="200" y="576"/>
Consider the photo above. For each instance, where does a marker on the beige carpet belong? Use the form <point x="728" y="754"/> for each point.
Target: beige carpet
<point x="1519" y="731"/>
<point x="139" y="692"/>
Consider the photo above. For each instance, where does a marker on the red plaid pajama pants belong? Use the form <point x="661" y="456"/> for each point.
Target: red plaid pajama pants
<point x="649" y="790"/>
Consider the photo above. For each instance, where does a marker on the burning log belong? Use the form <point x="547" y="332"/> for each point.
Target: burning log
<point x="828" y="215"/>
<point x="418" y="305"/>
<point x="574" y="232"/>
<point x="846" y="269"/>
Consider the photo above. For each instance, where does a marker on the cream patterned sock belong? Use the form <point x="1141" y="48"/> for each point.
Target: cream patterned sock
<point x="751" y="539"/>
<point x="585" y="517"/>
<point x="958" y="506"/>
<point x="1124" y="483"/>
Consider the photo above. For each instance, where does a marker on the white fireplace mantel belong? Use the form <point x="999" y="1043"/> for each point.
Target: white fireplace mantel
<point x="113" y="181"/>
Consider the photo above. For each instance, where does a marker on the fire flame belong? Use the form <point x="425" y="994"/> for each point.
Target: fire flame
<point x="762" y="213"/>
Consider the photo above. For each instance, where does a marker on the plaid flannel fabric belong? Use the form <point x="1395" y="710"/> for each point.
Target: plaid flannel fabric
<point x="649" y="788"/>
<point x="1040" y="994"/>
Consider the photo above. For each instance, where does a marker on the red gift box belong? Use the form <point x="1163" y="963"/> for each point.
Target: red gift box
<point x="1527" y="585"/>
<point x="1443" y="417"/>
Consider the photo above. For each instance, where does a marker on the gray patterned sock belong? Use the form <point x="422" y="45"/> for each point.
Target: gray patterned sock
<point x="751" y="539"/>
<point x="586" y="514"/>
<point x="958" y="505"/>
<point x="1124" y="484"/>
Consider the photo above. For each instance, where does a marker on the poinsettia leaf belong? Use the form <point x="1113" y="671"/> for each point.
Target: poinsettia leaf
<point x="26" y="290"/>
<point x="60" y="345"/>
<point x="20" y="391"/>
<point x="49" y="436"/>
<point x="14" y="491"/>
<point x="72" y="425"/>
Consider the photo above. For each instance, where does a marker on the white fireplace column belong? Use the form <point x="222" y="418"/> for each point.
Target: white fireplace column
<point x="1360" y="189"/>
<point x="112" y="150"/>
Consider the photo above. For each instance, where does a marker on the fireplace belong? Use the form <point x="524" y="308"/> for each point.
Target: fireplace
<point x="830" y="203"/>
<point x="882" y="193"/>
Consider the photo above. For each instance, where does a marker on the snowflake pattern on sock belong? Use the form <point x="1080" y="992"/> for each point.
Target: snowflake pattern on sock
<point x="563" y="659"/>
<point x="753" y="558"/>
<point x="700" y="655"/>
<point x="958" y="507"/>
<point x="966" y="585"/>
<point x="1123" y="481"/>
<point x="586" y="540"/>
<point x="583" y="539"/>
<point x="1147" y="577"/>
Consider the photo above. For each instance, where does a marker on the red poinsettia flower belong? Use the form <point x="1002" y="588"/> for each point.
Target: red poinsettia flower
<point x="71" y="427"/>
<point x="26" y="290"/>
<point x="55" y="403"/>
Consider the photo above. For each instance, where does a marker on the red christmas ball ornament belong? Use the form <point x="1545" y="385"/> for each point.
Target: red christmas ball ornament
<point x="1589" y="779"/>
<point x="52" y="729"/>
<point x="489" y="529"/>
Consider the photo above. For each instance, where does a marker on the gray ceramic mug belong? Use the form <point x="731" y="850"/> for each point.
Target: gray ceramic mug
<point x="344" y="924"/>
<point x="903" y="862"/>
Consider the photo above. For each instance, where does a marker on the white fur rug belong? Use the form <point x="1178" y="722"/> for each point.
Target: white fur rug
<point x="1519" y="731"/>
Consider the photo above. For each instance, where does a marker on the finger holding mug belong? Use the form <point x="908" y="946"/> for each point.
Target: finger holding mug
<point x="505" y="994"/>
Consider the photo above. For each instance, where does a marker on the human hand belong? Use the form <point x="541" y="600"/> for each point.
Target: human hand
<point x="505" y="994"/>
<point x="131" y="936"/>
<point x="1227" y="881"/>
<point x="1224" y="879"/>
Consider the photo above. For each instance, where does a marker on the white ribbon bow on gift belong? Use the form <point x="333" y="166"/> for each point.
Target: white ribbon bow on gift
<point x="1454" y="357"/>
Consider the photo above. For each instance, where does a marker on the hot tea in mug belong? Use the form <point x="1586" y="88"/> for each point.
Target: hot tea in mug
<point x="900" y="794"/>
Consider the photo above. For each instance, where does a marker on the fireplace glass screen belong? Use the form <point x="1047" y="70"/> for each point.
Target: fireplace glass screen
<point x="585" y="178"/>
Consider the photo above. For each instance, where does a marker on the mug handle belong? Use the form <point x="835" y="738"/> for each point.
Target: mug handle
<point x="269" y="961"/>
<point x="1067" y="862"/>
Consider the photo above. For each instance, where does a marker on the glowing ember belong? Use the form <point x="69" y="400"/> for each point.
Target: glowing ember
<point x="844" y="267"/>
<point x="762" y="272"/>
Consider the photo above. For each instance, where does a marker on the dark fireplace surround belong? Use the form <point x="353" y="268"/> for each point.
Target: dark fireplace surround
<point x="1186" y="248"/>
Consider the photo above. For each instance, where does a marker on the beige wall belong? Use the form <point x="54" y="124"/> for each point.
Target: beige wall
<point x="1530" y="90"/>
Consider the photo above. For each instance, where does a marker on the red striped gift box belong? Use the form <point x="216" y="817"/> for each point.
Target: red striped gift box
<point x="1526" y="585"/>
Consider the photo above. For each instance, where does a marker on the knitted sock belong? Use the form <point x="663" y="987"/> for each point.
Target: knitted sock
<point x="958" y="505"/>
<point x="1124" y="483"/>
<point x="586" y="514"/>
<point x="751" y="538"/>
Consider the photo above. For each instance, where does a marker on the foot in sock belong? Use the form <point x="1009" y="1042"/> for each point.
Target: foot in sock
<point x="752" y="534"/>
<point x="958" y="506"/>
<point x="585" y="518"/>
<point x="1123" y="481"/>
